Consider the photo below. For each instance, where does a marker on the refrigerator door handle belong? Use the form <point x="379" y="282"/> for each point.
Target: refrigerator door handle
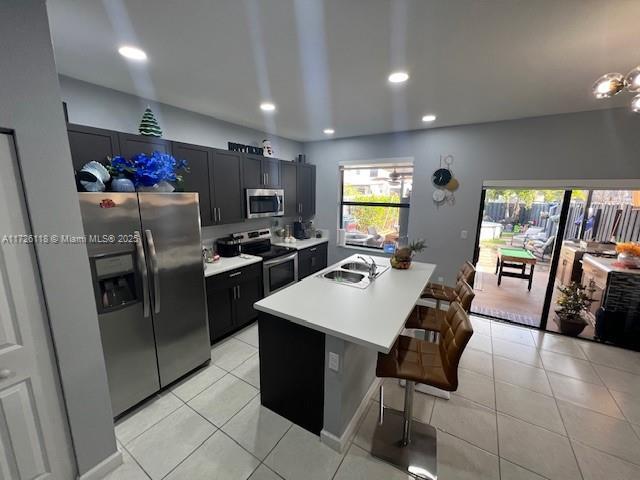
<point x="142" y="265"/>
<point x="154" y="269"/>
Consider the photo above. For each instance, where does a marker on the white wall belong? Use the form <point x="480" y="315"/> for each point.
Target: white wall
<point x="589" y="145"/>
<point x="30" y="105"/>
<point x="101" y="107"/>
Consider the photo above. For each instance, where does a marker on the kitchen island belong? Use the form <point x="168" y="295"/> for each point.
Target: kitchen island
<point x="319" y="341"/>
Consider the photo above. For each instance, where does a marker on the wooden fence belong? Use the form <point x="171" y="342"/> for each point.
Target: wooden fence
<point x="618" y="221"/>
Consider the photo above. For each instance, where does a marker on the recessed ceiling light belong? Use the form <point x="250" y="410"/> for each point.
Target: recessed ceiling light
<point x="398" y="77"/>
<point x="329" y="131"/>
<point x="429" y="118"/>
<point x="132" y="53"/>
<point x="267" y="107"/>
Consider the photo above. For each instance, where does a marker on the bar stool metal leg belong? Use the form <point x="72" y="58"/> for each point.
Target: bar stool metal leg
<point x="404" y="442"/>
<point x="408" y="411"/>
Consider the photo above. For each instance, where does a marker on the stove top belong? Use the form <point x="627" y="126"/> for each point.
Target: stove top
<point x="274" y="252"/>
<point x="259" y="243"/>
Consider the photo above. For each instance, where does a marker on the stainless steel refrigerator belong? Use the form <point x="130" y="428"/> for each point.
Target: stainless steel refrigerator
<point x="148" y="278"/>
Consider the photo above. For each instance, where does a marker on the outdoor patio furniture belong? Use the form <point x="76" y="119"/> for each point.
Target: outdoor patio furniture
<point x="531" y="233"/>
<point x="541" y="248"/>
<point x="515" y="258"/>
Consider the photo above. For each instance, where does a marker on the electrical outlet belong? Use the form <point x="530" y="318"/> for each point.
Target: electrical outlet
<point x="334" y="361"/>
<point x="464" y="234"/>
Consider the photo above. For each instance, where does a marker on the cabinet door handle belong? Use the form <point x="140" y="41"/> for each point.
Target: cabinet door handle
<point x="235" y="274"/>
<point x="313" y="249"/>
<point x="215" y="214"/>
<point x="220" y="214"/>
<point x="238" y="292"/>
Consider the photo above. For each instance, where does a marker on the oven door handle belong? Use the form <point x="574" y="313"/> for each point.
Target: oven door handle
<point x="279" y="260"/>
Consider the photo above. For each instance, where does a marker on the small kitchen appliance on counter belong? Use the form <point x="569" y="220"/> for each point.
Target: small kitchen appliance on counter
<point x="302" y="230"/>
<point x="228" y="246"/>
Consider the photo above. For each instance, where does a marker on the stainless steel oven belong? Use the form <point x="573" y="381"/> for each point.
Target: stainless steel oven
<point x="279" y="272"/>
<point x="265" y="202"/>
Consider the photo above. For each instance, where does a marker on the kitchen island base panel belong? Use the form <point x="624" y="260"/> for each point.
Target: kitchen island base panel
<point x="418" y="458"/>
<point x="292" y="371"/>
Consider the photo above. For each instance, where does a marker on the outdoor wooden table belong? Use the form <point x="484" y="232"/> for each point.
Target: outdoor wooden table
<point x="517" y="258"/>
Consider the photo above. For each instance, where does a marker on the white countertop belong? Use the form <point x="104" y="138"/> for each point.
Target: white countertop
<point x="606" y="264"/>
<point x="372" y="317"/>
<point x="302" y="244"/>
<point x="229" y="263"/>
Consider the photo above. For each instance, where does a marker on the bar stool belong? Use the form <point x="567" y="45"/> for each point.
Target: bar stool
<point x="414" y="360"/>
<point x="440" y="292"/>
<point x="430" y="319"/>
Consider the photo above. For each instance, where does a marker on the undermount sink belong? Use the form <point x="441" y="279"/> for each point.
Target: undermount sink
<point x="343" y="276"/>
<point x="357" y="266"/>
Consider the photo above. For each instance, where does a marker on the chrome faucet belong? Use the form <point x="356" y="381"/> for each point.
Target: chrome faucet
<point x="373" y="267"/>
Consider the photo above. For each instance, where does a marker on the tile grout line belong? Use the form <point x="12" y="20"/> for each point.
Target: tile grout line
<point x="637" y="433"/>
<point x="495" y="399"/>
<point x="565" y="427"/>
<point x="274" y="447"/>
<point x="135" y="461"/>
<point x="142" y="407"/>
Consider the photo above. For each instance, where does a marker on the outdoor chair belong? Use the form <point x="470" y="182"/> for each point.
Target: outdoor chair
<point x="531" y="233"/>
<point x="541" y="248"/>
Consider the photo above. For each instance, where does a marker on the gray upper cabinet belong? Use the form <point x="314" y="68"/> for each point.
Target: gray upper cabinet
<point x="306" y="191"/>
<point x="226" y="186"/>
<point x="197" y="179"/>
<point x="91" y="144"/>
<point x="289" y="176"/>
<point x="261" y="172"/>
<point x="131" y="145"/>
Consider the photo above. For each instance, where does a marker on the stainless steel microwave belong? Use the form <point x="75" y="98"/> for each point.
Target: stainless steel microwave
<point x="265" y="202"/>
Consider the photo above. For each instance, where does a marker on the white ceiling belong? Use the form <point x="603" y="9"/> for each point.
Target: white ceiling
<point x="325" y="63"/>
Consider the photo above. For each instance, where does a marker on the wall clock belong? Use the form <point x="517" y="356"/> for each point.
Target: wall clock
<point x="441" y="177"/>
<point x="444" y="182"/>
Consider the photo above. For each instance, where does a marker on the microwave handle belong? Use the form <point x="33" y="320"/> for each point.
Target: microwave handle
<point x="279" y="202"/>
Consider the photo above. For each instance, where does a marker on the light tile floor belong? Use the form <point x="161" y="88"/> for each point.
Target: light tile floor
<point x="530" y="406"/>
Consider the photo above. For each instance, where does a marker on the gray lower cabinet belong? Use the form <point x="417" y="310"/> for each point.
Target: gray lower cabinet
<point x="230" y="299"/>
<point x="312" y="260"/>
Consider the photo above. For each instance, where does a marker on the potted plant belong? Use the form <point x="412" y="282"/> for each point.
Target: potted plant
<point x="402" y="257"/>
<point x="153" y="173"/>
<point x="574" y="300"/>
<point x="629" y="254"/>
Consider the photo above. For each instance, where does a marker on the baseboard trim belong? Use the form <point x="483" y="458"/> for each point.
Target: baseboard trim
<point x="104" y="468"/>
<point x="340" y="443"/>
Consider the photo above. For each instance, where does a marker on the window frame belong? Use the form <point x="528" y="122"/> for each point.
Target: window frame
<point x="344" y="203"/>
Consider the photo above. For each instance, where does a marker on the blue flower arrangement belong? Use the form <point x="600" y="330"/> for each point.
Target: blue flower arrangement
<point x="148" y="170"/>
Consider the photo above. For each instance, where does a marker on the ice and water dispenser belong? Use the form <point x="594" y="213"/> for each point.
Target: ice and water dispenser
<point x="115" y="281"/>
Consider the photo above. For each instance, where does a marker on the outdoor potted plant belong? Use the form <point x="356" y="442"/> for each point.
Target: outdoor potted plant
<point x="574" y="300"/>
<point x="402" y="257"/>
<point x="629" y="254"/>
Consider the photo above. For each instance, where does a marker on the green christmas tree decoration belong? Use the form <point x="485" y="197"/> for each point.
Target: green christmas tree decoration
<point x="149" y="125"/>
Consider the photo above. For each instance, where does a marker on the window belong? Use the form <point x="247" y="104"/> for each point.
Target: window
<point x="375" y="204"/>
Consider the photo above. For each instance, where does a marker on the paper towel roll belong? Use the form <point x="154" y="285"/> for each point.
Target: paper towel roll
<point x="342" y="237"/>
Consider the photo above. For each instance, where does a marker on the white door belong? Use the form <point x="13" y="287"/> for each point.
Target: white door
<point x="34" y="439"/>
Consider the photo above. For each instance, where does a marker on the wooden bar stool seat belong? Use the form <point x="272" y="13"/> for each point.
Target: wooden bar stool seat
<point x="398" y="439"/>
